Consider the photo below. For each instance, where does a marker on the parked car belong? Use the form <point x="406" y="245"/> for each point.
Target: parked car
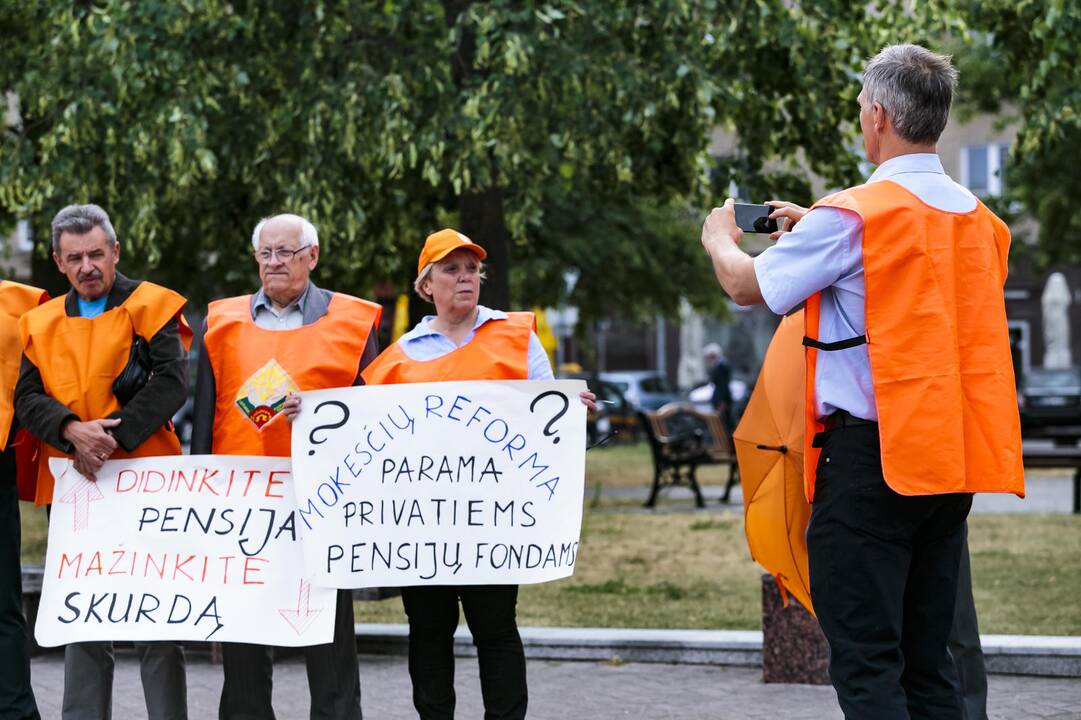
<point x="643" y="389"/>
<point x="618" y="413"/>
<point x="1050" y="396"/>
<point x="614" y="415"/>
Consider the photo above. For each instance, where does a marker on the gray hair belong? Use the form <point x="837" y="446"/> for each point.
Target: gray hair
<point x="915" y="86"/>
<point x="418" y="284"/>
<point x="308" y="234"/>
<point x="79" y="220"/>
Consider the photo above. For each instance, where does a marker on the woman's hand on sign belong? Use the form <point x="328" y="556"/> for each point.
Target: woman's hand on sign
<point x="291" y="407"/>
<point x="588" y="399"/>
<point x="786" y="214"/>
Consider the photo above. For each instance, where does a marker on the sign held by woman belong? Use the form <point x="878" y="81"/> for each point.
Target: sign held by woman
<point x="443" y="483"/>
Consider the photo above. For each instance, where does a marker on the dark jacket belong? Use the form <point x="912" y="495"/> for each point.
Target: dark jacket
<point x="316" y="304"/>
<point x="149" y="410"/>
<point x="720" y="376"/>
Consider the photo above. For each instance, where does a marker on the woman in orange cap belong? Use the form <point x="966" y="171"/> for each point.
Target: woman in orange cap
<point x="463" y="341"/>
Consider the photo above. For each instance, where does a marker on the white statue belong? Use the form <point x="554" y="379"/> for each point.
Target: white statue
<point x="1056" y="322"/>
<point x="691" y="338"/>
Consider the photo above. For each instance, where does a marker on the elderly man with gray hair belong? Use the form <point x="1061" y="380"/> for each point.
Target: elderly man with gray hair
<point x="258" y="350"/>
<point x="911" y="395"/>
<point x="89" y="393"/>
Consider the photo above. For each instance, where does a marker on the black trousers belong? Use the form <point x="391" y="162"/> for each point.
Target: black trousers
<point x="965" y="645"/>
<point x="16" y="695"/>
<point x="884" y="570"/>
<point x="333" y="674"/>
<point x="490" y="614"/>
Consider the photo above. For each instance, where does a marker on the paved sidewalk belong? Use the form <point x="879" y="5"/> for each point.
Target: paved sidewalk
<point x="1046" y="491"/>
<point x="561" y="691"/>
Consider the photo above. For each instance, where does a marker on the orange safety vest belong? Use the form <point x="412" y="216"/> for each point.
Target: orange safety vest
<point x="15" y="300"/>
<point x="938" y="344"/>
<point x="499" y="350"/>
<point x="79" y="358"/>
<point x="256" y="369"/>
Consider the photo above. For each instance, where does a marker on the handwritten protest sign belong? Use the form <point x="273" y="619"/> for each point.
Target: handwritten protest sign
<point x="440" y="483"/>
<point x="179" y="548"/>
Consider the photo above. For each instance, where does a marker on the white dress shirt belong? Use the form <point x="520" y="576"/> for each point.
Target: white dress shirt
<point x="825" y="252"/>
<point x="269" y="317"/>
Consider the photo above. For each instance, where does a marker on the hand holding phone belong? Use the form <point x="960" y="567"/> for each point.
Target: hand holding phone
<point x="755" y="218"/>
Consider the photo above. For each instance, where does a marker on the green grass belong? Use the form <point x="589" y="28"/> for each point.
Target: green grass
<point x="35" y="528"/>
<point x="681" y="570"/>
<point x="1026" y="574"/>
<point x="686" y="569"/>
<point x="632" y="466"/>
<point x="641" y="570"/>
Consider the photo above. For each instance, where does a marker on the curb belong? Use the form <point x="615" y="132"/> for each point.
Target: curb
<point x="1046" y="656"/>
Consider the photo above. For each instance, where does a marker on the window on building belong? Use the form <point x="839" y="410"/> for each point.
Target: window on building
<point x="983" y="168"/>
<point x="24" y="239"/>
<point x="1003" y="152"/>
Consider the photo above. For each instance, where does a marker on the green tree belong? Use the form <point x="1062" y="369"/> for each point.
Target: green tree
<point x="1022" y="60"/>
<point x="552" y="133"/>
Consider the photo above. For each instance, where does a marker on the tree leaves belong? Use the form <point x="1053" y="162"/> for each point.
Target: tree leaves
<point x="191" y="120"/>
<point x="1022" y="60"/>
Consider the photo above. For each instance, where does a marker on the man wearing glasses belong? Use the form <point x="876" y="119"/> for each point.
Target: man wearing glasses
<point x="258" y="349"/>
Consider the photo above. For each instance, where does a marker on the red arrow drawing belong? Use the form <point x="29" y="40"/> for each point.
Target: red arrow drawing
<point x="302" y="618"/>
<point x="84" y="493"/>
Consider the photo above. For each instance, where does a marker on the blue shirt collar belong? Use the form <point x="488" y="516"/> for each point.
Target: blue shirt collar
<point x="92" y="308"/>
<point x="262" y="301"/>
<point x="912" y="163"/>
<point x="424" y="328"/>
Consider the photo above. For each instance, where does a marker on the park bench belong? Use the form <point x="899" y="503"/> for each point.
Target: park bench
<point x="1035" y="456"/>
<point x="680" y="440"/>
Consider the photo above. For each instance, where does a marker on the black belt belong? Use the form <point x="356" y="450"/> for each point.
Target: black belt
<point x="834" y="346"/>
<point x="844" y="419"/>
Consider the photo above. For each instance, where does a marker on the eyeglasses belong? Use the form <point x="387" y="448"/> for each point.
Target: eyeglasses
<point x="283" y="254"/>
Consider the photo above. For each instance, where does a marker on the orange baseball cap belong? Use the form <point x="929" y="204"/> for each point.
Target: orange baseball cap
<point x="443" y="243"/>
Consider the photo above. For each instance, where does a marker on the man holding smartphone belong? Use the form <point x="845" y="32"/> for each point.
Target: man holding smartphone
<point x="911" y="400"/>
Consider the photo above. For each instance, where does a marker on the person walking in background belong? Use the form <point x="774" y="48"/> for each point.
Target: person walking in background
<point x="288" y="337"/>
<point x="103" y="370"/>
<point x="911" y="399"/>
<point x="720" y="375"/>
<point x="463" y="341"/>
<point x="16" y="694"/>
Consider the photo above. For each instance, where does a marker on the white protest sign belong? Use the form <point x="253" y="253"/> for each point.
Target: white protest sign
<point x="451" y="483"/>
<point x="202" y="547"/>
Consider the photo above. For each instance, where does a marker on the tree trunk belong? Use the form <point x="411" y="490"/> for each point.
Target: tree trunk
<point x="482" y="220"/>
<point x="43" y="271"/>
<point x="481" y="210"/>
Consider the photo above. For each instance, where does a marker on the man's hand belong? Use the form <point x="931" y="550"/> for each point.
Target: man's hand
<point x="588" y="399"/>
<point x="88" y="466"/>
<point x="733" y="267"/>
<point x="787" y="214"/>
<point x="291" y="407"/>
<point x="92" y="442"/>
<point x="720" y="227"/>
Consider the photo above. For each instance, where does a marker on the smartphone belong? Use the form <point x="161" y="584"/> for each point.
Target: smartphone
<point x="755" y="218"/>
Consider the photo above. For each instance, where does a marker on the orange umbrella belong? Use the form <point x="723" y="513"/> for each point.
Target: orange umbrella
<point x="769" y="446"/>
